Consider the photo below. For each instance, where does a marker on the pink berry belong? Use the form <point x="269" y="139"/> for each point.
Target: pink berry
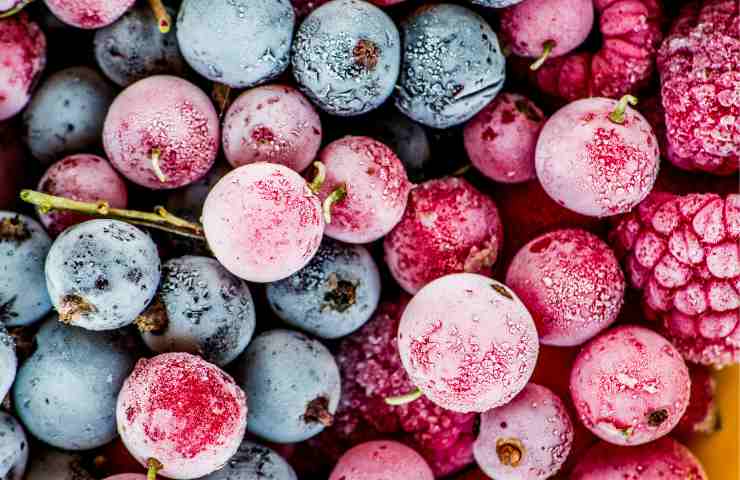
<point x="699" y="64"/>
<point x="162" y="132"/>
<point x="12" y="165"/>
<point x="664" y="459"/>
<point x="448" y="227"/>
<point x="571" y="282"/>
<point x="272" y="123"/>
<point x="83" y="177"/>
<point x="22" y="58"/>
<point x="262" y="222"/>
<point x="88" y="14"/>
<point x="527" y="439"/>
<point x="467" y="342"/>
<point x="376" y="184"/>
<point x="500" y="140"/>
<point x="381" y="460"/>
<point x="683" y="252"/>
<point x="630" y="386"/>
<point x="546" y="28"/>
<point x="127" y="476"/>
<point x="702" y="415"/>
<point x="593" y="162"/>
<point x="183" y="412"/>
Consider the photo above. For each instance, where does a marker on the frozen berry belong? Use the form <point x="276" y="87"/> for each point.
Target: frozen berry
<point x="82" y="177"/>
<point x="665" y="459"/>
<point x="630" y="386"/>
<point x="272" y="123"/>
<point x="452" y="65"/>
<point x="571" y="282"/>
<point x="683" y="252"/>
<point x="380" y="460"/>
<point x="8" y="361"/>
<point x="162" y="132"/>
<point x="546" y="28"/>
<point x="13" y="165"/>
<point x="254" y="462"/>
<point x="13" y="448"/>
<point x="467" y="342"/>
<point x="304" y="7"/>
<point x="88" y="14"/>
<point x="52" y="464"/>
<point x="527" y="439"/>
<point x="500" y="140"/>
<point x="183" y="412"/>
<point x="22" y="58"/>
<point x="699" y="65"/>
<point x="375" y="184"/>
<point x="448" y="227"/>
<point x="597" y="157"/>
<point x="263" y="222"/>
<point x="702" y="416"/>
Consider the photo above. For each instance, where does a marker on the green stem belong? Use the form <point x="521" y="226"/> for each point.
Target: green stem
<point x="152" y="467"/>
<point x="547" y="48"/>
<point x="334" y="197"/>
<point x="617" y="116"/>
<point x="405" y="398"/>
<point x="18" y="7"/>
<point x="318" y="180"/>
<point x="154" y="156"/>
<point x="164" y="21"/>
<point x="462" y="170"/>
<point x="160" y="219"/>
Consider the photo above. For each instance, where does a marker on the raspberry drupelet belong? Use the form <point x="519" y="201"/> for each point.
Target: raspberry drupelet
<point x="22" y="58"/>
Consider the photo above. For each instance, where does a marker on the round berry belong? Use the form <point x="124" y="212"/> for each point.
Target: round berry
<point x="13" y="448"/>
<point x="8" y="361"/>
<point x="254" y="462"/>
<point x="22" y="58"/>
<point x="379" y="460"/>
<point x="88" y="14"/>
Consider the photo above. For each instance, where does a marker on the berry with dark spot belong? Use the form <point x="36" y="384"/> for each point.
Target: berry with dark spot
<point x="254" y="462"/>
<point x="22" y="58"/>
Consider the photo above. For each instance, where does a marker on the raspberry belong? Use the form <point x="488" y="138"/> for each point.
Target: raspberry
<point x="699" y="64"/>
<point x="684" y="253"/>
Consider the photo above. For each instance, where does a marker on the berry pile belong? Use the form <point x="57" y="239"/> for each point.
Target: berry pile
<point x="366" y="239"/>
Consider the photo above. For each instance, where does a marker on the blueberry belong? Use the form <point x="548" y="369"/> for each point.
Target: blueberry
<point x="240" y="43"/>
<point x="51" y="464"/>
<point x="13" y="448"/>
<point x="452" y="65"/>
<point x="65" y="393"/>
<point x="8" y="361"/>
<point x="101" y="274"/>
<point x="254" y="462"/>
<point x="292" y="383"/>
<point x="346" y="57"/>
<point x="66" y="114"/>
<point x="133" y="48"/>
<point x="200" y="308"/>
<point x="23" y="248"/>
<point x="496" y="3"/>
<point x="332" y="296"/>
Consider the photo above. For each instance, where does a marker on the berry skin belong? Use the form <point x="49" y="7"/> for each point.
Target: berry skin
<point x="529" y="438"/>
<point x="665" y="459"/>
<point x="272" y="123"/>
<point x="629" y="386"/>
<point x="346" y="57"/>
<point x="66" y="114"/>
<point x="127" y="476"/>
<point x="467" y="342"/>
<point x="12" y="165"/>
<point x="376" y="184"/>
<point x="101" y="274"/>
<point x="292" y="383"/>
<point x="200" y="308"/>
<point x="496" y="3"/>
<point x="698" y="64"/>
<point x="448" y="227"/>
<point x="22" y="58"/>
<point x="133" y="48"/>
<point x="82" y="177"/>
<point x="8" y="361"/>
<point x="380" y="460"/>
<point x="682" y="252"/>
<point x="702" y="416"/>
<point x="51" y="464"/>
<point x="304" y="7"/>
<point x="431" y="92"/>
<point x="23" y="248"/>
<point x="571" y="283"/>
<point x="500" y="140"/>
<point x="332" y="296"/>
<point x="593" y="165"/>
<point x="254" y="462"/>
<point x="182" y="411"/>
<point x="65" y="393"/>
<point x="88" y="14"/>
<point x="528" y="26"/>
<point x="13" y="448"/>
<point x="162" y="132"/>
<point x="262" y="222"/>
<point x="240" y="43"/>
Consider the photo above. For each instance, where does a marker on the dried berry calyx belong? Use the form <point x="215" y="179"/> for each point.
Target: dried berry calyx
<point x="13" y="229"/>
<point x="342" y="294"/>
<point x="317" y="411"/>
<point x="72" y="307"/>
<point x="154" y="319"/>
<point x="510" y="451"/>
<point x="657" y="417"/>
<point x="366" y="54"/>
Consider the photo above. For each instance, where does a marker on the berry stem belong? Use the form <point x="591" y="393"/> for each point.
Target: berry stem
<point x="154" y="157"/>
<point x="617" y="116"/>
<point x="160" y="12"/>
<point x="318" y="180"/>
<point x="546" y="51"/>
<point x="160" y="219"/>
<point x="334" y="197"/>
<point x="152" y="467"/>
<point x="510" y="451"/>
<point x="405" y="398"/>
<point x="462" y="170"/>
<point x="15" y="9"/>
<point x="221" y="94"/>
